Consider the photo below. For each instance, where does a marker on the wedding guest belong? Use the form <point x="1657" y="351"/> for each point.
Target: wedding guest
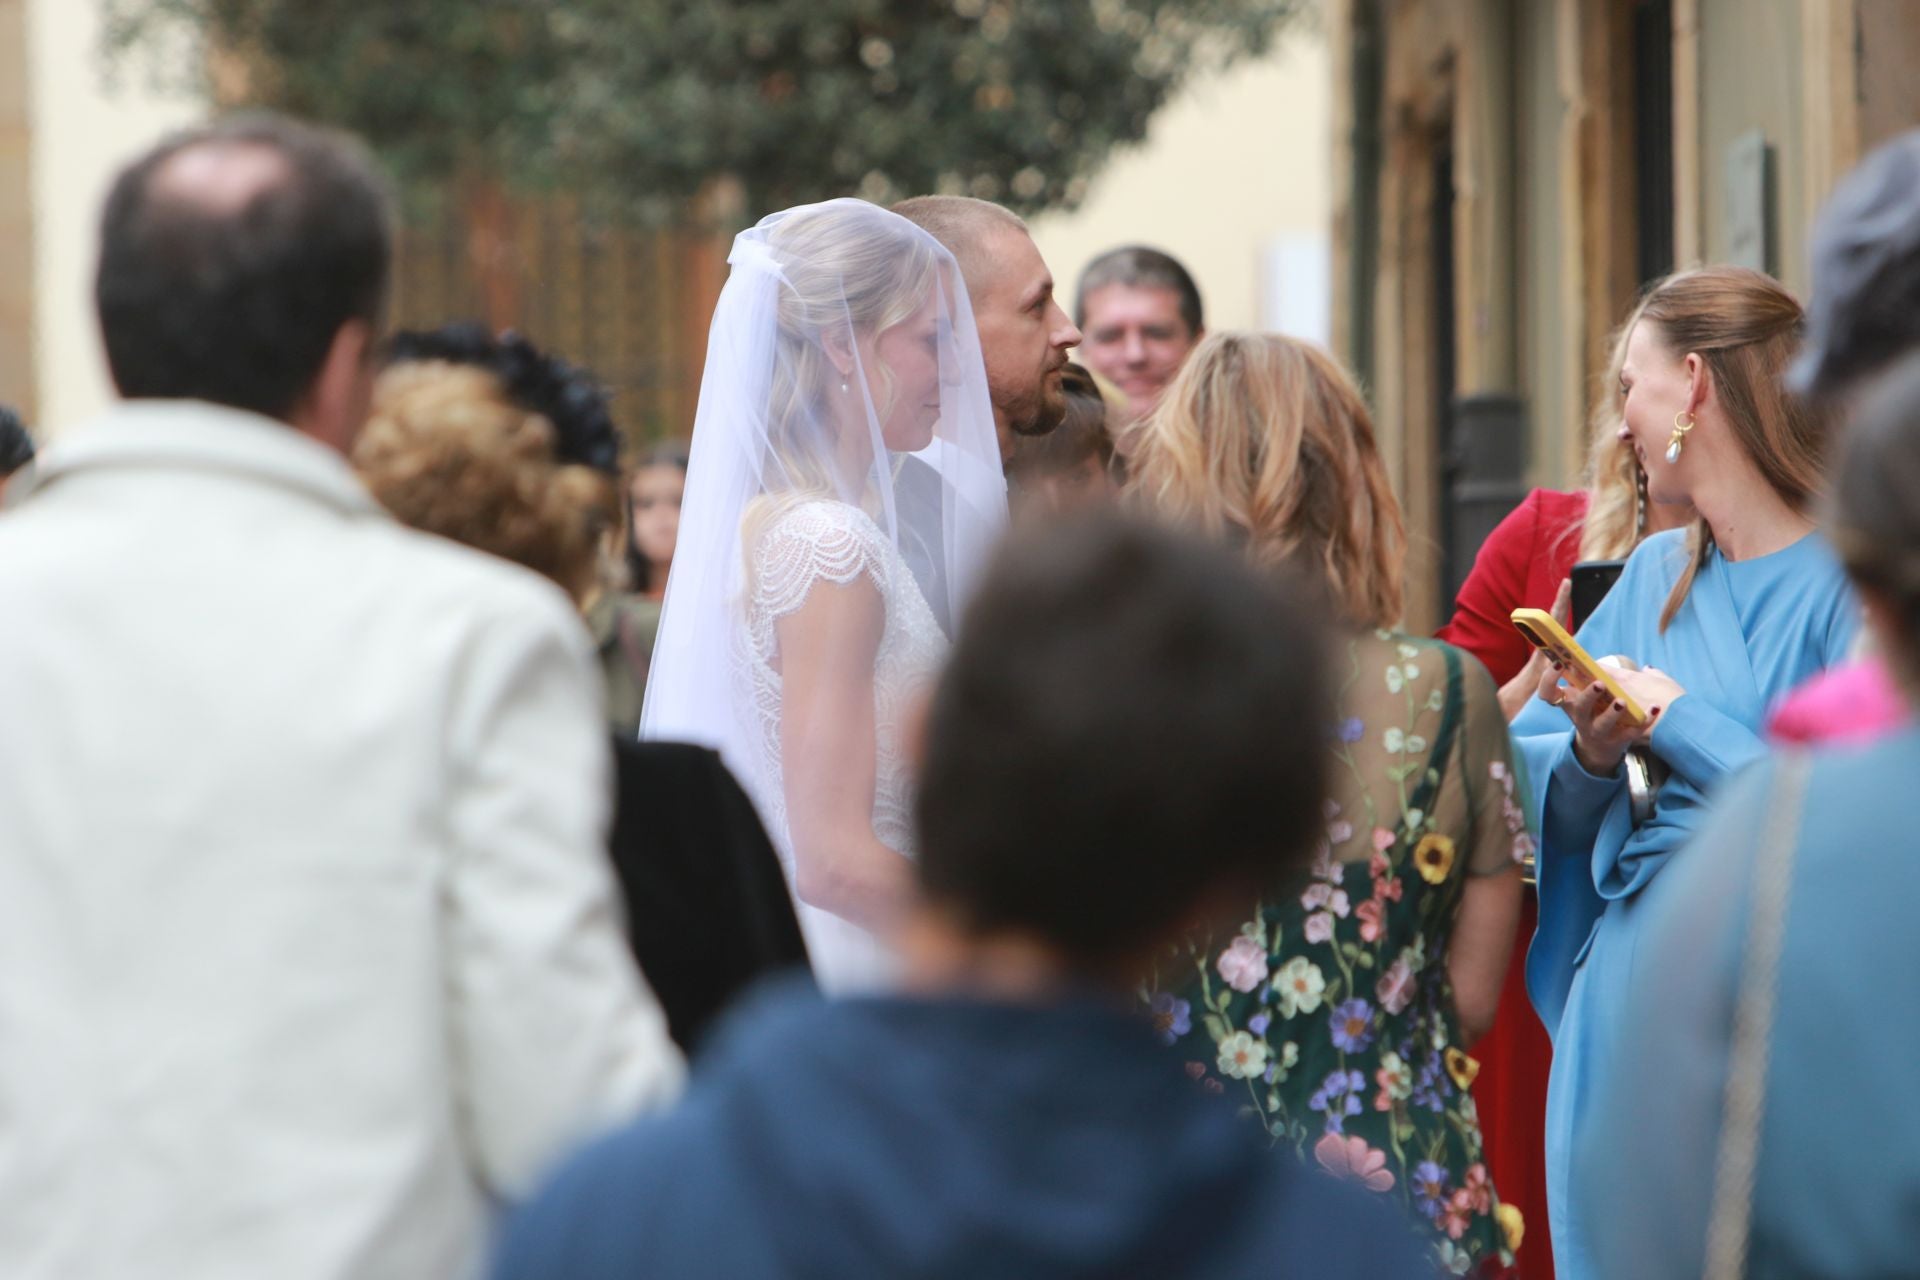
<point x="1863" y="316"/>
<point x="1757" y="1112"/>
<point x="1113" y="695"/>
<point x="493" y="443"/>
<point x="1071" y="466"/>
<point x="1141" y="313"/>
<point x="16" y="448"/>
<point x="310" y="962"/>
<point x="1721" y="619"/>
<point x="1339" y="1008"/>
<point x="1525" y="563"/>
<point x="625" y="621"/>
<point x="1526" y="560"/>
<point x="1024" y="335"/>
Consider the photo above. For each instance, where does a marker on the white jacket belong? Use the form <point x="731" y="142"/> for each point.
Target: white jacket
<point x="308" y="945"/>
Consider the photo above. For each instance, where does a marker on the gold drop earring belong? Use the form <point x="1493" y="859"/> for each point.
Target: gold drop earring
<point x="1679" y="440"/>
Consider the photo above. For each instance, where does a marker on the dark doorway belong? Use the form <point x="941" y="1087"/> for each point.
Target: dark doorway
<point x="1653" y="136"/>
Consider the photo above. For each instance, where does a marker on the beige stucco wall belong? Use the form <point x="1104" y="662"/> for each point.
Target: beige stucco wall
<point x="1233" y="172"/>
<point x="1751" y="78"/>
<point x="16" y="215"/>
<point x="82" y="130"/>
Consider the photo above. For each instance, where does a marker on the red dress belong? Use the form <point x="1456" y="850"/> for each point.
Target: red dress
<point x="1521" y="564"/>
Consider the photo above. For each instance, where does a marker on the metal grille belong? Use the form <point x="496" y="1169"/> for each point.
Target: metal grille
<point x="632" y="304"/>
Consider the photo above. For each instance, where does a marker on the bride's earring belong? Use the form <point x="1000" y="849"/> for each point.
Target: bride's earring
<point x="844" y="388"/>
<point x="1679" y="440"/>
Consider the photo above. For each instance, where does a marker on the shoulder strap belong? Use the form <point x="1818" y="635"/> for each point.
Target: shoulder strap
<point x="1450" y="717"/>
<point x="1744" y="1105"/>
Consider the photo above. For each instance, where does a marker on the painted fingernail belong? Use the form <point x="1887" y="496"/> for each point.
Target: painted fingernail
<point x="1654" y="712"/>
<point x="1619" y="706"/>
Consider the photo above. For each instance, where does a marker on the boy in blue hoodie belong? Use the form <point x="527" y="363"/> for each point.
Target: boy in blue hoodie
<point x="1130" y="738"/>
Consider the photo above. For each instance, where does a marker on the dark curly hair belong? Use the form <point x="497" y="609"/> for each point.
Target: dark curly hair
<point x="566" y="395"/>
<point x="491" y="442"/>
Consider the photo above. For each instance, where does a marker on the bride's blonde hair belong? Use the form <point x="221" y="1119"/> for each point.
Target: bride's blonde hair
<point x="1267" y="439"/>
<point x="846" y="276"/>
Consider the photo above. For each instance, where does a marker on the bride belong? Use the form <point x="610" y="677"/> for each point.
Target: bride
<point x="843" y="491"/>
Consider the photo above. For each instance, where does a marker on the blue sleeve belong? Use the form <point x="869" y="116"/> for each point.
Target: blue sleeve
<point x="1645" y="1147"/>
<point x="1702" y="743"/>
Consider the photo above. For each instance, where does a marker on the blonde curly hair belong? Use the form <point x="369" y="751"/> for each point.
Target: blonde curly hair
<point x="447" y="452"/>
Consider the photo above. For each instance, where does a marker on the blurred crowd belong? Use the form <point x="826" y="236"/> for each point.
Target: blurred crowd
<point x="970" y="809"/>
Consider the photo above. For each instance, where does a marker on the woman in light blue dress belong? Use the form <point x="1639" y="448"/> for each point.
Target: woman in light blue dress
<point x="1835" y="1177"/>
<point x="1720" y="620"/>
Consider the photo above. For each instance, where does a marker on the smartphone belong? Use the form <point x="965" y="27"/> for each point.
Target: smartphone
<point x="1542" y="632"/>
<point x="1592" y="579"/>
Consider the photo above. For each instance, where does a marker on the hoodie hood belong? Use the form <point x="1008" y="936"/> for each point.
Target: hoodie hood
<point x="956" y="1138"/>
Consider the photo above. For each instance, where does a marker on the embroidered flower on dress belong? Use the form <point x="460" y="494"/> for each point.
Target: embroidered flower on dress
<point x="1433" y="857"/>
<point x="1288" y="1060"/>
<point x="1430" y="1189"/>
<point x="1479" y="1187"/>
<point x="1346" y="1157"/>
<point x="1172" y="1017"/>
<point x="1353" y="1026"/>
<point x="1352" y="730"/>
<point x="1319" y="927"/>
<point x="1457" y="1214"/>
<point x="1339" y="1097"/>
<point x="1372" y="917"/>
<point x="1395" y="1079"/>
<point x="1242" y="1057"/>
<point x="1396" y="986"/>
<point x="1513" y="1225"/>
<point x="1462" y="1068"/>
<point x="1298" y="986"/>
<point x="1243" y="964"/>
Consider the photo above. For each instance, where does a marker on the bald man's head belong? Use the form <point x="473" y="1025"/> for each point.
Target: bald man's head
<point x="1024" y="335"/>
<point x="967" y="227"/>
<point x="230" y="258"/>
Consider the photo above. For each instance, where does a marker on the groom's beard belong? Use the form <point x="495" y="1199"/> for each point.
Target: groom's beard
<point x="1044" y="410"/>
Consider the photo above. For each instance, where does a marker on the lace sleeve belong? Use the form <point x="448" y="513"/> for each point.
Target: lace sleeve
<point x="817" y="542"/>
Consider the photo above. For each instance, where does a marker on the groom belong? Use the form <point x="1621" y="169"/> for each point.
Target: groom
<point x="1024" y="340"/>
<point x="1024" y="333"/>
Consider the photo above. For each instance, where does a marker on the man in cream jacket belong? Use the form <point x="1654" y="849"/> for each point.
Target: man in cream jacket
<point x="308" y="953"/>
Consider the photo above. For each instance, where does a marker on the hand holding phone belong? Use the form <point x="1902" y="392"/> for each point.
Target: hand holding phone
<point x="1547" y="635"/>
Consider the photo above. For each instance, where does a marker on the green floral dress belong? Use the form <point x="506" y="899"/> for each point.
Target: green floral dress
<point x="1330" y="1011"/>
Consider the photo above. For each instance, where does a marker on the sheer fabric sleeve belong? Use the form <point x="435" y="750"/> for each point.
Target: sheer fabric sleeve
<point x="818" y="542"/>
<point x="1493" y="778"/>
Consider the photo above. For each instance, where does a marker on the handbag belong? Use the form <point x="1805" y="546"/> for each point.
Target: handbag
<point x="1743" y="1105"/>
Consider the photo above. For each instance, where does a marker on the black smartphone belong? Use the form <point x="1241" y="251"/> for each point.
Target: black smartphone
<point x="1592" y="579"/>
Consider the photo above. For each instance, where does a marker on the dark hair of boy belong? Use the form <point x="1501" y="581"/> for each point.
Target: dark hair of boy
<point x="1133" y="724"/>
<point x="239" y="302"/>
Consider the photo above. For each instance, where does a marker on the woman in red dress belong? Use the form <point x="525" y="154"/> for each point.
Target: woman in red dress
<point x="1525" y="563"/>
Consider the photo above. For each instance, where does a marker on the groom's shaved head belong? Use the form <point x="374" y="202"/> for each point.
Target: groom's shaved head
<point x="1024" y="335"/>
<point x="964" y="225"/>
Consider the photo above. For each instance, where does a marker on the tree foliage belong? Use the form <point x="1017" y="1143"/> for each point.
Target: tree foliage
<point x="647" y="101"/>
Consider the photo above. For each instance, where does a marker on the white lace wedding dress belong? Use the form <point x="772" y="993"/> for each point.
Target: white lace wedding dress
<point x="825" y="541"/>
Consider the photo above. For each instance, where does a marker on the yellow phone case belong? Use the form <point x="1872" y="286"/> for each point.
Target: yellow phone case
<point x="1543" y="632"/>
